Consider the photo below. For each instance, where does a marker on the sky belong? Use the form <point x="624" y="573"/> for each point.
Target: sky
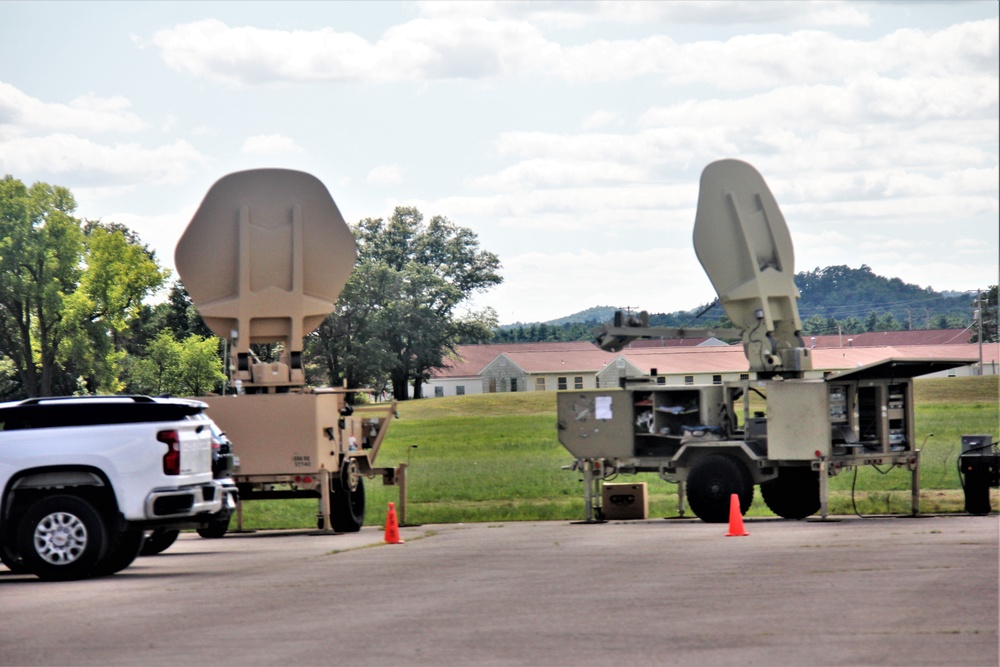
<point x="569" y="136"/>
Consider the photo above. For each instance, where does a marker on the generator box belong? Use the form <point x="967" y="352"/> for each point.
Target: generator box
<point x="625" y="501"/>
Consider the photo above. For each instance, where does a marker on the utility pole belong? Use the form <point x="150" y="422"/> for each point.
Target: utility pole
<point x="979" y="320"/>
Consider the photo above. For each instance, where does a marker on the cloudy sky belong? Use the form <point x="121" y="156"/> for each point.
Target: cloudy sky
<point x="569" y="136"/>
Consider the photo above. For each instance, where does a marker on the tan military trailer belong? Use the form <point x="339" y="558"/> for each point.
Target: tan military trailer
<point x="779" y="428"/>
<point x="264" y="259"/>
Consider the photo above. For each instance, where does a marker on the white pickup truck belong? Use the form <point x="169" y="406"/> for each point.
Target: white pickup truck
<point x="84" y="478"/>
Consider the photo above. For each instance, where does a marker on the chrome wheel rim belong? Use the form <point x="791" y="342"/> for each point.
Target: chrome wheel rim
<point x="60" y="538"/>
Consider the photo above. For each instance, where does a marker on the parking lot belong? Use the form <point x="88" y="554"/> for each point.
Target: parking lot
<point x="850" y="591"/>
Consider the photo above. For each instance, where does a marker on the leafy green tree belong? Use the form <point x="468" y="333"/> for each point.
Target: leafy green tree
<point x="41" y="246"/>
<point x="887" y="322"/>
<point x="68" y="291"/>
<point x="398" y="315"/>
<point x="189" y="367"/>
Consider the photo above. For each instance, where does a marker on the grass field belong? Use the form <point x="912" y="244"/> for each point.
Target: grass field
<point x="496" y="457"/>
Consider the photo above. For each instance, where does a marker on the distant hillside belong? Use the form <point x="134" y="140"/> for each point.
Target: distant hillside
<point x="856" y="300"/>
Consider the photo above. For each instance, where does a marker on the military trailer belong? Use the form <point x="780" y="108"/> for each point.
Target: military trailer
<point x="779" y="429"/>
<point x="264" y="259"/>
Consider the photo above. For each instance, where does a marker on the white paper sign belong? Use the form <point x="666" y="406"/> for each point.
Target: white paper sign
<point x="602" y="407"/>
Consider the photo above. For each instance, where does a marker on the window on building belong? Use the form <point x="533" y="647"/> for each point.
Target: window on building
<point x="561" y="382"/>
<point x="539" y="384"/>
<point x="688" y="379"/>
<point x="438" y="392"/>
<point x="661" y="380"/>
<point x="716" y="379"/>
<point x="460" y="390"/>
<point x="578" y="382"/>
<point x="744" y="376"/>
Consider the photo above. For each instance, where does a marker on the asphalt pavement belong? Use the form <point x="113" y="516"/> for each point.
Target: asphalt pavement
<point x="849" y="591"/>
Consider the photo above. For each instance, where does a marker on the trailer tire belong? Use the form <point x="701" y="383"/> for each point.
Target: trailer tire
<point x="793" y="494"/>
<point x="159" y="541"/>
<point x="711" y="483"/>
<point x="61" y="538"/>
<point x="347" y="499"/>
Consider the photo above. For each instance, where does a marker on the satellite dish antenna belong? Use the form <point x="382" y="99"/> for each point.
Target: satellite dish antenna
<point x="742" y="241"/>
<point x="264" y="259"/>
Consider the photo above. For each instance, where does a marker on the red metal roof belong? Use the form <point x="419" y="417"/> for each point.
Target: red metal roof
<point x="585" y="357"/>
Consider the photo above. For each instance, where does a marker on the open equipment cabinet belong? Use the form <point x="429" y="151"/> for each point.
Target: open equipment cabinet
<point x="788" y="436"/>
<point x="264" y="259"/>
<point x="783" y="428"/>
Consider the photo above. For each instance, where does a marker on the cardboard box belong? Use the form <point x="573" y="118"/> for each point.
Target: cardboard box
<point x="625" y="501"/>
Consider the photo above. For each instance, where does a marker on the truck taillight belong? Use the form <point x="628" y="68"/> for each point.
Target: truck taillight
<point x="172" y="459"/>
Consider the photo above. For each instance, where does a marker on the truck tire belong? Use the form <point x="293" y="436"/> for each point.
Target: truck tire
<point x="159" y="541"/>
<point x="793" y="494"/>
<point x="711" y="483"/>
<point x="213" y="530"/>
<point x="12" y="559"/>
<point x="61" y="538"/>
<point x="347" y="499"/>
<point x="122" y="554"/>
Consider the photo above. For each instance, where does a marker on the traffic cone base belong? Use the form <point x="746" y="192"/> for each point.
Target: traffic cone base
<point x="735" y="518"/>
<point x="392" y="526"/>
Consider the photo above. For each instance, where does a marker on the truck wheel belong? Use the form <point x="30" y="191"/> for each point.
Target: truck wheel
<point x="214" y="529"/>
<point x="347" y="499"/>
<point x="712" y="482"/>
<point x="159" y="541"/>
<point x="793" y="494"/>
<point x="12" y="559"/>
<point x="122" y="554"/>
<point x="61" y="538"/>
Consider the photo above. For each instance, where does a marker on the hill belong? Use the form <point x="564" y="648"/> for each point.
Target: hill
<point x="856" y="300"/>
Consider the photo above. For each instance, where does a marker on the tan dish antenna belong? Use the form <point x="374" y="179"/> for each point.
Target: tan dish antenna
<point x="264" y="259"/>
<point x="742" y="241"/>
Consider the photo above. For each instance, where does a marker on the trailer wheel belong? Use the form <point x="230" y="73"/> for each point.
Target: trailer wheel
<point x="712" y="482"/>
<point x="347" y="499"/>
<point x="793" y="494"/>
<point x="159" y="541"/>
<point x="61" y="538"/>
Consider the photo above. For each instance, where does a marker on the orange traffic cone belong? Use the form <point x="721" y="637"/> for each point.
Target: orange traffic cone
<point x="735" y="518"/>
<point x="392" y="526"/>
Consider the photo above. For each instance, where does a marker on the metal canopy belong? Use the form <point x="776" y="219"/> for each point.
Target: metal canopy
<point x="899" y="368"/>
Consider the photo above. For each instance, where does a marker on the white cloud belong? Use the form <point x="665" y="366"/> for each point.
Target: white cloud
<point x="88" y="162"/>
<point x="464" y="45"/>
<point x="270" y="144"/>
<point x="563" y="13"/>
<point x="19" y="113"/>
<point x="386" y="174"/>
<point x="598" y="119"/>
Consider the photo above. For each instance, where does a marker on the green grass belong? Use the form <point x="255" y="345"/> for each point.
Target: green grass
<point x="496" y="457"/>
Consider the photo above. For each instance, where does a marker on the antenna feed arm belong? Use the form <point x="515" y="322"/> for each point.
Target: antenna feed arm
<point x="613" y="337"/>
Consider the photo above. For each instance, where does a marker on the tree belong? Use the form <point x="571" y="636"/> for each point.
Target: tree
<point x="67" y="291"/>
<point x="398" y="314"/>
<point x="41" y="245"/>
<point x="189" y="367"/>
<point x="119" y="274"/>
